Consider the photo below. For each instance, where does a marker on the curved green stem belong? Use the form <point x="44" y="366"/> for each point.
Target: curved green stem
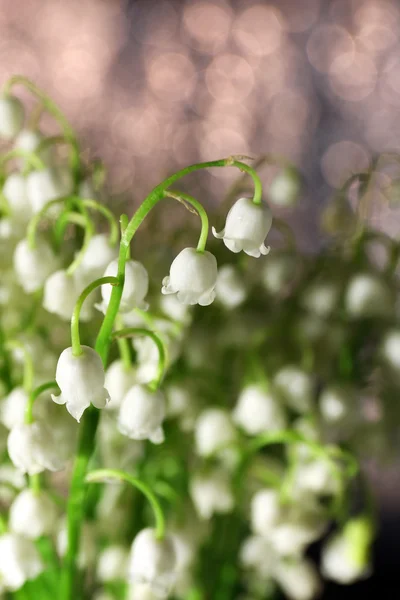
<point x="49" y="385"/>
<point x="106" y="212"/>
<point x="66" y="217"/>
<point x="75" y="337"/>
<point x="28" y="363"/>
<point x="34" y="222"/>
<point x="132" y="331"/>
<point x="87" y="236"/>
<point x="182" y="197"/>
<point x="54" y="110"/>
<point x="102" y="475"/>
<point x="32" y="158"/>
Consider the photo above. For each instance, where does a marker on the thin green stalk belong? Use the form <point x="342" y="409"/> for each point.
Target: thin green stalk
<point x="87" y="236"/>
<point x="32" y="158"/>
<point x="34" y="395"/>
<point x="180" y="196"/>
<point x="102" y="475"/>
<point x="106" y="212"/>
<point x="33" y="224"/>
<point x="75" y="336"/>
<point x="132" y="331"/>
<point x="64" y="219"/>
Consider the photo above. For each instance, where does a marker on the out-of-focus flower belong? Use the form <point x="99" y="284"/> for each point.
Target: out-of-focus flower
<point x="19" y="561"/>
<point x="11" y="116"/>
<point x="230" y="289"/>
<point x="33" y="449"/>
<point x="258" y="411"/>
<point x="33" y="514"/>
<point x="141" y="414"/>
<point x="34" y="265"/>
<point x="211" y="493"/>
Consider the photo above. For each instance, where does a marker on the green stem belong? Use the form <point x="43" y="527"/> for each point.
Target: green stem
<point x="87" y="236"/>
<point x="106" y="212"/>
<point x="28" y="363"/>
<point x="62" y="222"/>
<point x="31" y="157"/>
<point x="75" y="336"/>
<point x="33" y="224"/>
<point x="32" y="397"/>
<point x="131" y="331"/>
<point x="123" y="346"/>
<point x="54" y="110"/>
<point x="180" y="196"/>
<point x="101" y="475"/>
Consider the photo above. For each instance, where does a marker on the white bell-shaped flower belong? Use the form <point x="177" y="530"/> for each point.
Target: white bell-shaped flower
<point x="48" y="184"/>
<point x="136" y="286"/>
<point x="247" y="225"/>
<point x="98" y="255"/>
<point x="141" y="414"/>
<point x="230" y="289"/>
<point x="212" y="493"/>
<point x="345" y="555"/>
<point x="256" y="554"/>
<point x="118" y="381"/>
<point x="33" y="514"/>
<point x="14" y="191"/>
<point x="81" y="381"/>
<point x="296" y="387"/>
<point x="141" y="591"/>
<point x="192" y="276"/>
<point x="33" y="266"/>
<point x="321" y="297"/>
<point x="258" y="411"/>
<point x="368" y="296"/>
<point x="28" y="139"/>
<point x="315" y="476"/>
<point x="214" y="431"/>
<point x="153" y="562"/>
<point x="12" y="408"/>
<point x="299" y="579"/>
<point x="33" y="449"/>
<point x="19" y="561"/>
<point x="265" y="511"/>
<point x="284" y="189"/>
<point x="11" y="116"/>
<point x="297" y="528"/>
<point x="336" y="403"/>
<point x="112" y="564"/>
<point x="60" y="295"/>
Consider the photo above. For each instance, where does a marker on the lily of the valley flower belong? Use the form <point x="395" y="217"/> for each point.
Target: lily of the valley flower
<point x="136" y="286"/>
<point x="59" y="295"/>
<point x="153" y="562"/>
<point x="34" y="265"/>
<point x="214" y="431"/>
<point x="11" y="116"/>
<point x="33" y="449"/>
<point x="258" y="411"/>
<point x="112" y="564"/>
<point x="141" y="414"/>
<point x="81" y="381"/>
<point x="33" y="514"/>
<point x="98" y="255"/>
<point x="246" y="228"/>
<point x="19" y="561"/>
<point x="192" y="277"/>
<point x="14" y="191"/>
<point x="48" y="184"/>
<point x="118" y="381"/>
<point x="212" y="493"/>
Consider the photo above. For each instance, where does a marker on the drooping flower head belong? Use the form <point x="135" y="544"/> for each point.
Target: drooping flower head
<point x="246" y="228"/>
<point x="141" y="414"/>
<point x="192" y="277"/>
<point x="136" y="286"/>
<point x="19" y="561"/>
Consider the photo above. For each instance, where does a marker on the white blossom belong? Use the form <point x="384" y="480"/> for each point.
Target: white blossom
<point x="141" y="414"/>
<point x="258" y="411"/>
<point x="112" y="564"/>
<point x="345" y="555"/>
<point x="192" y="276"/>
<point x="118" y="380"/>
<point x="33" y="514"/>
<point x="336" y="403"/>
<point x="81" y="381"/>
<point x="60" y="295"/>
<point x="153" y="562"/>
<point x="48" y="184"/>
<point x="19" y="561"/>
<point x="321" y="297"/>
<point x="257" y="554"/>
<point x="136" y="286"/>
<point x="34" y="265"/>
<point x="279" y="272"/>
<point x="247" y="225"/>
<point x="214" y="431"/>
<point x="368" y="296"/>
<point x="296" y="387"/>
<point x="212" y="493"/>
<point x="11" y="116"/>
<point x="299" y="579"/>
<point x="284" y="189"/>
<point x="33" y="448"/>
<point x="14" y="191"/>
<point x="98" y="255"/>
<point x="230" y="289"/>
<point x="12" y="408"/>
<point x="391" y="349"/>
<point x="265" y="511"/>
<point x="298" y="527"/>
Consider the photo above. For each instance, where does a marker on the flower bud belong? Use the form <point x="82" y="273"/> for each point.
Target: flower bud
<point x="32" y="448"/>
<point x="81" y="381"/>
<point x="211" y="493"/>
<point x="299" y="579"/>
<point x="118" y="381"/>
<point x="367" y="296"/>
<point x="256" y="554"/>
<point x="60" y="295"/>
<point x="33" y="266"/>
<point x="14" y="191"/>
<point x="141" y="414"/>
<point x="19" y="561"/>
<point x="136" y="286"/>
<point x="33" y="514"/>
<point x="296" y="387"/>
<point x="214" y="431"/>
<point x="112" y="564"/>
<point x="12" y="408"/>
<point x="48" y="184"/>
<point x="285" y="188"/>
<point x="246" y="227"/>
<point x="11" y="116"/>
<point x="153" y="562"/>
<point x="230" y="289"/>
<point x="192" y="276"/>
<point x="258" y="411"/>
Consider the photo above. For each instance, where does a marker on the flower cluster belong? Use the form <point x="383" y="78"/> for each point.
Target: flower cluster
<point x="226" y="438"/>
